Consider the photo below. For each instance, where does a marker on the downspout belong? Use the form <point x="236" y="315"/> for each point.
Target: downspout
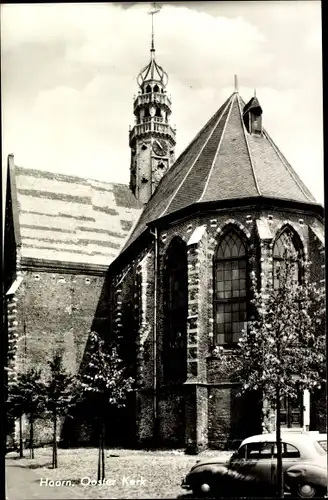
<point x="155" y="400"/>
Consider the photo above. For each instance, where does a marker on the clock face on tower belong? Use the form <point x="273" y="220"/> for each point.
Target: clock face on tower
<point x="160" y="147"/>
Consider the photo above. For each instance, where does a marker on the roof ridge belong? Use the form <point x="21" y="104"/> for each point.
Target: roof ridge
<point x="248" y="150"/>
<point x="198" y="155"/>
<point x="219" y="145"/>
<point x="11" y="186"/>
<point x="127" y="237"/>
<point x="71" y="176"/>
<point x="185" y="151"/>
<point x="289" y="169"/>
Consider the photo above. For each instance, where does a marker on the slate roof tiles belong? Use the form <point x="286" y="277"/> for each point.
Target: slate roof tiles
<point x="71" y="219"/>
<point x="224" y="162"/>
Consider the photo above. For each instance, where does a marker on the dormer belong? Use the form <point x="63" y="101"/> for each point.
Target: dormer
<point x="252" y="117"/>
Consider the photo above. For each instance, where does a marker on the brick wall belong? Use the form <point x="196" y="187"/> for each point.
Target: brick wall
<point x="212" y="412"/>
<point x="143" y="170"/>
<point x="54" y="312"/>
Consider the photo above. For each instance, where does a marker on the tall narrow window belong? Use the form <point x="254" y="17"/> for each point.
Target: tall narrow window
<point x="285" y="249"/>
<point x="230" y="298"/>
<point x="176" y="312"/>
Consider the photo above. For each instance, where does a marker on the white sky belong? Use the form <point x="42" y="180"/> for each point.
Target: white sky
<point x="69" y="70"/>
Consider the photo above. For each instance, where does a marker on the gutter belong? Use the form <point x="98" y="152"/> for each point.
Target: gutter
<point x="14" y="287"/>
<point x="155" y="399"/>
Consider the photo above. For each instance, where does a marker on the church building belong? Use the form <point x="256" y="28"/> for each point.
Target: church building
<point x="162" y="264"/>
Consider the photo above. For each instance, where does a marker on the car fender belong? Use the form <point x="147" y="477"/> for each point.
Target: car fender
<point x="306" y="473"/>
<point x="219" y="469"/>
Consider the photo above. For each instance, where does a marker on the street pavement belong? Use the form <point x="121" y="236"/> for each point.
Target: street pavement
<point x="24" y="484"/>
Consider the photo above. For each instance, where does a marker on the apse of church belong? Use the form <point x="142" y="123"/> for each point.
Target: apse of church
<point x="219" y="214"/>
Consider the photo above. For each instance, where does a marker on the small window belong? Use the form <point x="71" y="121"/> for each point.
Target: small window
<point x="37" y="277"/>
<point x="259" y="451"/>
<point x="266" y="450"/>
<point x="143" y="147"/>
<point x="156" y="88"/>
<point x="87" y="280"/>
<point x="253" y="450"/>
<point x="321" y="447"/>
<point x="240" y="454"/>
<point x="288" y="451"/>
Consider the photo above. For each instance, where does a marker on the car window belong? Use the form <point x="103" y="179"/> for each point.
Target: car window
<point x="259" y="451"/>
<point x="288" y="451"/>
<point x="240" y="454"/>
<point x="266" y="450"/>
<point x="320" y="446"/>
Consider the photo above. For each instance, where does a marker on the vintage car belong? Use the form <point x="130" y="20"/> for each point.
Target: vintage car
<point x="251" y="470"/>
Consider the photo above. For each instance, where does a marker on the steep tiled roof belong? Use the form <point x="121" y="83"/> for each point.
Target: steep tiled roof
<point x="71" y="219"/>
<point x="224" y="162"/>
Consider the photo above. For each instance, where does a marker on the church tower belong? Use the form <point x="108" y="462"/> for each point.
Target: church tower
<point x="152" y="139"/>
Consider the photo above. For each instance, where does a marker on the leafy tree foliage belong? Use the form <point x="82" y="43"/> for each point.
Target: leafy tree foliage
<point x="103" y="381"/>
<point x="26" y="397"/>
<point x="61" y="390"/>
<point x="283" y="350"/>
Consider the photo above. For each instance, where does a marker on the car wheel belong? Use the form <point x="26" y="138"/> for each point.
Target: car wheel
<point x="204" y="487"/>
<point x="306" y="491"/>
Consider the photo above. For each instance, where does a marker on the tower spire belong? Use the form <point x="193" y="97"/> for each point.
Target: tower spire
<point x="155" y="8"/>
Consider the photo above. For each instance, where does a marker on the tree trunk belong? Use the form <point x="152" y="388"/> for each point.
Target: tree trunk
<point x="21" y="452"/>
<point x="99" y="452"/>
<point x="280" y="479"/>
<point x="31" y="435"/>
<point x="54" y="444"/>
<point x="103" y="447"/>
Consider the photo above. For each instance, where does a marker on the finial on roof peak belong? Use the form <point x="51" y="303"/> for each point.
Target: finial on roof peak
<point x="155" y="8"/>
<point x="236" y="83"/>
<point x="152" y="71"/>
<point x="255" y="92"/>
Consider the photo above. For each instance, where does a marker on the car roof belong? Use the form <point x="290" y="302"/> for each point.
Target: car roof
<point x="290" y="436"/>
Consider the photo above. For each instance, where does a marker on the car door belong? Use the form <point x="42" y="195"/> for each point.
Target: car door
<point x="290" y="456"/>
<point x="257" y="462"/>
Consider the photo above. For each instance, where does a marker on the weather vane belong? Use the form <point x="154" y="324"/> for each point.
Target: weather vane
<point x="155" y="8"/>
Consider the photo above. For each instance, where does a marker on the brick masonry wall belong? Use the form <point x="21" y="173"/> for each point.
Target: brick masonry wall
<point x="143" y="170"/>
<point x="54" y="312"/>
<point x="232" y="416"/>
<point x="171" y="409"/>
<point x="212" y="413"/>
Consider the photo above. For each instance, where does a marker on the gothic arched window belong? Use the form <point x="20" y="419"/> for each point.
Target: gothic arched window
<point x="148" y="89"/>
<point x="156" y="88"/>
<point x="230" y="296"/>
<point x="286" y="248"/>
<point x="176" y="312"/>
